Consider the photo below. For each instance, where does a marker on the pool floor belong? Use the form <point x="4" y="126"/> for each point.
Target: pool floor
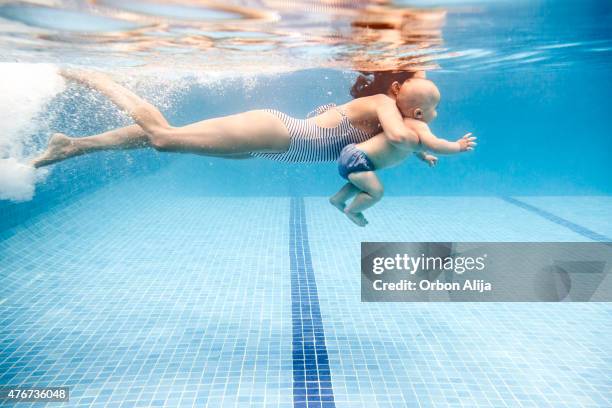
<point x="136" y="296"/>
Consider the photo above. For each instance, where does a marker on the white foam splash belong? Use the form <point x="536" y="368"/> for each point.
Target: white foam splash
<point x="25" y="90"/>
<point x="17" y="180"/>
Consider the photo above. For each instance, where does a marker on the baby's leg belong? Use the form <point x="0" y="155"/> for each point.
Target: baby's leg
<point x="371" y="192"/>
<point x="338" y="200"/>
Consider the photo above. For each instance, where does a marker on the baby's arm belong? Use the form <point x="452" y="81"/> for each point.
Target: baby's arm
<point x="442" y="146"/>
<point x="427" y="158"/>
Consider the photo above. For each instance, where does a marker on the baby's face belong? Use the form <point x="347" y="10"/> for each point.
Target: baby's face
<point x="429" y="112"/>
<point x="418" y="99"/>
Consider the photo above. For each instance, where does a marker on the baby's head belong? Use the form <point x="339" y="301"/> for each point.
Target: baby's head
<point x="417" y="98"/>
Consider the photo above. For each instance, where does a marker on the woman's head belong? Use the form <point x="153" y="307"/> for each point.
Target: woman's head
<point x="372" y="83"/>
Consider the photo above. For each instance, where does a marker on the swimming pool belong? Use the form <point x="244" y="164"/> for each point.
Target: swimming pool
<point x="140" y="278"/>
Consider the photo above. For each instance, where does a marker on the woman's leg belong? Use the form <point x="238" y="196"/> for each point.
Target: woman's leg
<point x="252" y="131"/>
<point x="232" y="136"/>
<point x="235" y="134"/>
<point x="62" y="147"/>
<point x="144" y="114"/>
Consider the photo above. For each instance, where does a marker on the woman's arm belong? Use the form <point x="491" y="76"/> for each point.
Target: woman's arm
<point x="392" y="123"/>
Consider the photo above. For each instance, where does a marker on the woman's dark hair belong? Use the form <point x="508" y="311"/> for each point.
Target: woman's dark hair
<point x="372" y="83"/>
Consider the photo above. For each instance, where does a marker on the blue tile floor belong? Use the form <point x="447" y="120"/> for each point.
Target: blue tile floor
<point x="136" y="296"/>
<point x="590" y="212"/>
<point x="454" y="354"/>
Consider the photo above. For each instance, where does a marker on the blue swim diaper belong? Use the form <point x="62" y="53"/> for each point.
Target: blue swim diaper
<point x="353" y="160"/>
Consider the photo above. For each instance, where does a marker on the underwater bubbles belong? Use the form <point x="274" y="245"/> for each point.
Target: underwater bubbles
<point x="26" y="91"/>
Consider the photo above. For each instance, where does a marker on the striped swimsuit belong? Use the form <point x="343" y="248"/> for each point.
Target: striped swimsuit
<point x="313" y="143"/>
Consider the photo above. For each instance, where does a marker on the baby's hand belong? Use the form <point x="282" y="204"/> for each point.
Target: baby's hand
<point x="430" y="159"/>
<point x="467" y="142"/>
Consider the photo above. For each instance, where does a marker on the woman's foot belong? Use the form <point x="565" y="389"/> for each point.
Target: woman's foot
<point x="357" y="218"/>
<point x="60" y="147"/>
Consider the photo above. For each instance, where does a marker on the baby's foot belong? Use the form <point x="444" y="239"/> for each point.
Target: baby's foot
<point x="357" y="218"/>
<point x="337" y="203"/>
<point x="60" y="147"/>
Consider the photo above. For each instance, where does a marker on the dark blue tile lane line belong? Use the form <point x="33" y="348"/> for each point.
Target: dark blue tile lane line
<point x="579" y="229"/>
<point x="312" y="385"/>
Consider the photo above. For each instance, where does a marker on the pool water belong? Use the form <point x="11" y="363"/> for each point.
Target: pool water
<point x="139" y="278"/>
<point x="134" y="297"/>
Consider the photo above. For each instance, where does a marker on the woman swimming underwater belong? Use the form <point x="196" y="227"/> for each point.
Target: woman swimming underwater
<point x="256" y="133"/>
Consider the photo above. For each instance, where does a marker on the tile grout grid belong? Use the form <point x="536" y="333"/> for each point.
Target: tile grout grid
<point x="579" y="229"/>
<point x="82" y="294"/>
<point x="312" y="386"/>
